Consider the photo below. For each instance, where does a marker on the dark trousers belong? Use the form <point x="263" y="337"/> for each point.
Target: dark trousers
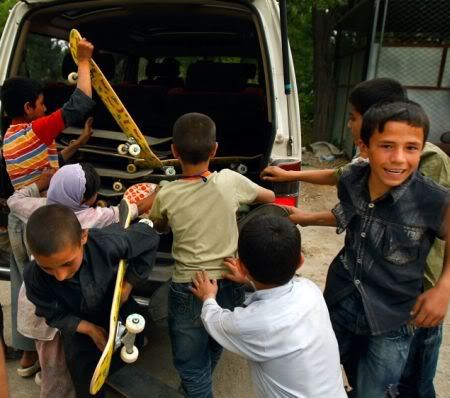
<point x="420" y="369"/>
<point x="195" y="353"/>
<point x="82" y="355"/>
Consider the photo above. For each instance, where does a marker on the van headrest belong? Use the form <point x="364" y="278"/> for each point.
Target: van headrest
<point x="213" y="76"/>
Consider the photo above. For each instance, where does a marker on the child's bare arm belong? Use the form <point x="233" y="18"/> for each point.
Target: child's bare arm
<point x="74" y="145"/>
<point x="431" y="306"/>
<point x="264" y="195"/>
<point x="319" y="177"/>
<point x="320" y="218"/>
<point x="146" y="204"/>
<point x="96" y="333"/>
<point x="85" y="50"/>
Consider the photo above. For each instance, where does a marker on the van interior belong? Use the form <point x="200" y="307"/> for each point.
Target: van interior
<point x="163" y="59"/>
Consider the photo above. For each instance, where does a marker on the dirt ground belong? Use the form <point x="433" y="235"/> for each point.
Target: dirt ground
<point x="231" y="379"/>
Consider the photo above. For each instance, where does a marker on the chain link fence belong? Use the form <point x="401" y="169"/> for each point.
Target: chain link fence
<point x="407" y="40"/>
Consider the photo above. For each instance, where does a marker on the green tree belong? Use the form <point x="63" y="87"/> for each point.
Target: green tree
<point x="311" y="24"/>
<point x="5" y="6"/>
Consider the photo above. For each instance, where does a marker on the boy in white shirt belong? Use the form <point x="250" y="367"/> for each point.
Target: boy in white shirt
<point x="283" y="329"/>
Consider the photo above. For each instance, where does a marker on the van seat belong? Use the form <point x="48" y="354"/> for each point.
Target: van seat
<point x="220" y="91"/>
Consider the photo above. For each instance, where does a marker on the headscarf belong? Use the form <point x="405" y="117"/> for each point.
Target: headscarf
<point x="67" y="187"/>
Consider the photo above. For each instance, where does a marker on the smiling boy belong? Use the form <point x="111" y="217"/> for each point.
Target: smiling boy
<point x="391" y="215"/>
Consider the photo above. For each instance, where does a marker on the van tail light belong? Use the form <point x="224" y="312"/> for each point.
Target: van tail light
<point x="287" y="193"/>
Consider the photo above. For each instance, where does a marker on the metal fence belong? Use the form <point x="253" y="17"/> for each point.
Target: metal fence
<point x="409" y="41"/>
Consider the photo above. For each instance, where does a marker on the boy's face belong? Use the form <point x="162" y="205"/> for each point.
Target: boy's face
<point x="36" y="111"/>
<point x="354" y="124"/>
<point x="394" y="155"/>
<point x="64" y="264"/>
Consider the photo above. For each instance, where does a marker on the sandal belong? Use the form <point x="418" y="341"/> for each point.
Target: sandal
<point x="29" y="371"/>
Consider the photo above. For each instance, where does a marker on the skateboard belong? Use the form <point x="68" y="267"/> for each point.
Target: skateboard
<point x="138" y="192"/>
<point x="135" y="382"/>
<point x="107" y="154"/>
<point x="136" y="145"/>
<point x="135" y="323"/>
<point x="109" y="135"/>
<point x="119" y="175"/>
<point x="263" y="210"/>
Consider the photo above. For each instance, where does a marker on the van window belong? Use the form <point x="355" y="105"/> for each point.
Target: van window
<point x="43" y="58"/>
<point x="48" y="59"/>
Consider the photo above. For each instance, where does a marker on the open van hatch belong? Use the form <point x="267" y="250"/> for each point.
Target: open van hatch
<point x="164" y="60"/>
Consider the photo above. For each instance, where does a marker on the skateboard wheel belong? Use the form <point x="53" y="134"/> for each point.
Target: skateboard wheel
<point x="102" y="203"/>
<point x="72" y="78"/>
<point x="134" y="150"/>
<point x="170" y="171"/>
<point x="117" y="186"/>
<point x="242" y="169"/>
<point x="135" y="323"/>
<point x="122" y="149"/>
<point x="129" y="357"/>
<point x="131" y="168"/>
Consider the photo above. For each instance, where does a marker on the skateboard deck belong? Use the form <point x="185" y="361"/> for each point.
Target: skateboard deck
<point x="108" y="193"/>
<point x="119" y="174"/>
<point x="134" y="382"/>
<point x="102" y="369"/>
<point x="115" y="105"/>
<point x="107" y="151"/>
<point x="263" y="210"/>
<point x="114" y="136"/>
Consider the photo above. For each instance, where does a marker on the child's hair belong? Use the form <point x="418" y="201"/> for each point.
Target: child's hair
<point x="16" y="92"/>
<point x="406" y="111"/>
<point x="52" y="227"/>
<point x="371" y="92"/>
<point x="194" y="136"/>
<point x="92" y="180"/>
<point x="269" y="247"/>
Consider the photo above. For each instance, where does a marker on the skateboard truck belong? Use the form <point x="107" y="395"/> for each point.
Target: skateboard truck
<point x="135" y="324"/>
<point x="131" y="147"/>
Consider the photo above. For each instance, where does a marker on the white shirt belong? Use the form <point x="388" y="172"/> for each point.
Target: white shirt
<point x="286" y="335"/>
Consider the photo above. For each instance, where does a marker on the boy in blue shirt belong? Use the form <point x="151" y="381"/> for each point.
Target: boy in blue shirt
<point x="391" y="214"/>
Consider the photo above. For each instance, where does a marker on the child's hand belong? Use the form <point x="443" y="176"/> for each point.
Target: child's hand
<point x="296" y="215"/>
<point x="235" y="274"/>
<point x="95" y="332"/>
<point x="87" y="132"/>
<point x="99" y="336"/>
<point x="84" y="50"/>
<point x="204" y="288"/>
<point x="44" y="180"/>
<point x="275" y="174"/>
<point x="127" y="287"/>
<point x="431" y="307"/>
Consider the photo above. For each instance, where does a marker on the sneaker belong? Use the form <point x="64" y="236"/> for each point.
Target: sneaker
<point x="38" y="378"/>
<point x="30" y="371"/>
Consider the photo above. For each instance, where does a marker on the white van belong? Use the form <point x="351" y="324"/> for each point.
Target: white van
<point x="165" y="58"/>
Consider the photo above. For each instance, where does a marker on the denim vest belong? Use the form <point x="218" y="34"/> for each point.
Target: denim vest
<point x="386" y="244"/>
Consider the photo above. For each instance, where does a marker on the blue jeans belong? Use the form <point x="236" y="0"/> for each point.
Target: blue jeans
<point x="420" y="369"/>
<point x="19" y="257"/>
<point x="373" y="364"/>
<point x="195" y="353"/>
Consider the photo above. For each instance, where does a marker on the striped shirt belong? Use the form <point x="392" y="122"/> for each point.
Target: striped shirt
<point x="28" y="148"/>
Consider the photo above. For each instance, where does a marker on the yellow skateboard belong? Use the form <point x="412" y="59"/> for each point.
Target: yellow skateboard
<point x="134" y="324"/>
<point x="137" y="145"/>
